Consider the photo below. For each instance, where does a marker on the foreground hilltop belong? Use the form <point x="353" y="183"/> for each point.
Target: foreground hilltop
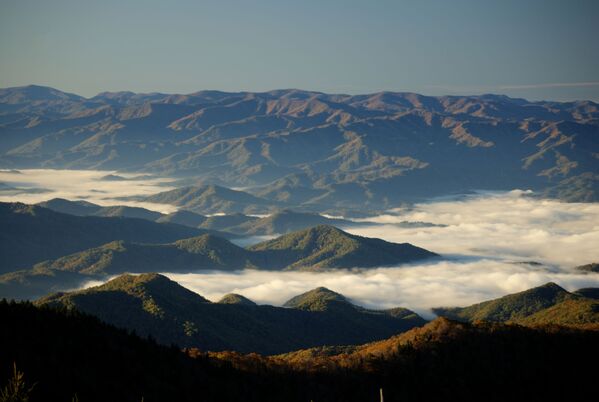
<point x="440" y="361"/>
<point x="546" y="304"/>
<point x="151" y="304"/>
<point x="360" y="151"/>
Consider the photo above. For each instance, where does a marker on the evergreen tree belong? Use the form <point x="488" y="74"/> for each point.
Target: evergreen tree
<point x="16" y="390"/>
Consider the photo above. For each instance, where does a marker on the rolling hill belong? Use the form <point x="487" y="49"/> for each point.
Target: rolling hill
<point x="196" y="253"/>
<point x="210" y="199"/>
<point x="152" y="304"/>
<point x="323" y="247"/>
<point x="183" y="217"/>
<point x="227" y="223"/>
<point x="286" y="221"/>
<point x="278" y="222"/>
<point x="319" y="299"/>
<point x="207" y="251"/>
<point x="30" y="234"/>
<point x="204" y="252"/>
<point x="84" y="208"/>
<point x="547" y="304"/>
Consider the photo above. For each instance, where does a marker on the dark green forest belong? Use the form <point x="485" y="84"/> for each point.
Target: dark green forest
<point x="67" y="355"/>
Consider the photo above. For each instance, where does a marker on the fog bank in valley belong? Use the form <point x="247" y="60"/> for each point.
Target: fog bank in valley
<point x="418" y="287"/>
<point x="511" y="225"/>
<point x="37" y="185"/>
<point x="492" y="244"/>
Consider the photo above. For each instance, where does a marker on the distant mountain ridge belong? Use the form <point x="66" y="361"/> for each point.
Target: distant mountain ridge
<point x="278" y="222"/>
<point x="357" y="151"/>
<point x="84" y="208"/>
<point x="211" y="199"/>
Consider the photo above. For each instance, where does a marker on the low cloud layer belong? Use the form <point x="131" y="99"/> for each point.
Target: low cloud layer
<point x="512" y="226"/>
<point x="486" y="240"/>
<point x="420" y="287"/>
<point x="81" y="185"/>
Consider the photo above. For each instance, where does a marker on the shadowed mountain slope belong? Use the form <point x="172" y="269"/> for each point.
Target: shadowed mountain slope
<point x="196" y="253"/>
<point x="72" y="271"/>
<point x="84" y="208"/>
<point x="287" y="221"/>
<point x="153" y="305"/>
<point x="211" y="199"/>
<point x="590" y="293"/>
<point x="30" y="234"/>
<point x="183" y="217"/>
<point x="278" y="222"/>
<point x="228" y="223"/>
<point x="440" y="361"/>
<point x="203" y="252"/>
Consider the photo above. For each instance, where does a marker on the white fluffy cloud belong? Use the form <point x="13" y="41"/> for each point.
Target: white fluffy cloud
<point x="82" y="185"/>
<point x="509" y="226"/>
<point x="418" y="287"/>
<point x="485" y="239"/>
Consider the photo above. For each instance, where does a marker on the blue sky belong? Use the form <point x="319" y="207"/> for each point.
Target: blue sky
<point x="533" y="49"/>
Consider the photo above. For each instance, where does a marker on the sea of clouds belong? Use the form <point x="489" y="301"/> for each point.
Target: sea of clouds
<point x="492" y="243"/>
<point x="37" y="185"/>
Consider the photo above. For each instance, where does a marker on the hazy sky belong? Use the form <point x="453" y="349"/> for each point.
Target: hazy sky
<point x="535" y="49"/>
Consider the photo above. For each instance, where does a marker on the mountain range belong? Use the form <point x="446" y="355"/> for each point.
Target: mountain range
<point x="85" y="208"/>
<point x="357" y="151"/>
<point x="151" y="304"/>
<point x="317" y="248"/>
<point x="278" y="222"/>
